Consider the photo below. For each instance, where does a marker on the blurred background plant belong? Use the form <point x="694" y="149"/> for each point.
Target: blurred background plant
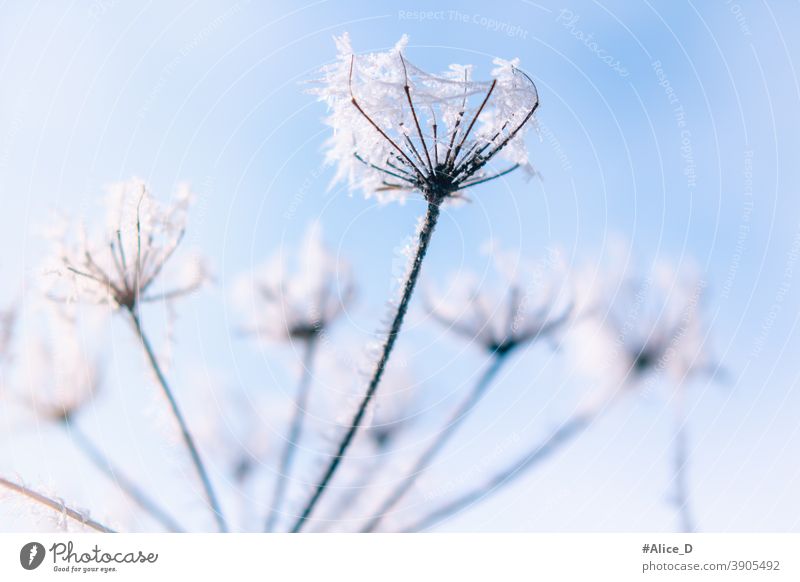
<point x="545" y="378"/>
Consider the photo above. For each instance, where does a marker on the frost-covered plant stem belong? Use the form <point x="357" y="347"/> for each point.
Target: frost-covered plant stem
<point x="556" y="440"/>
<point x="451" y="426"/>
<point x="187" y="437"/>
<point x="104" y="464"/>
<point x="425" y="234"/>
<point x="295" y="432"/>
<point x="55" y="505"/>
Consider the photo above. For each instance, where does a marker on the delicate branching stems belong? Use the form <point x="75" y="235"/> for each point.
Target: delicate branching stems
<point x="680" y="477"/>
<point x="295" y="432"/>
<point x="128" y="487"/>
<point x="55" y="505"/>
<point x="557" y="439"/>
<point x="451" y="426"/>
<point x="425" y="233"/>
<point x="187" y="437"/>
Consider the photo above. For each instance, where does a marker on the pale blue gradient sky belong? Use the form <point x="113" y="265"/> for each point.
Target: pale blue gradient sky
<point x="211" y="92"/>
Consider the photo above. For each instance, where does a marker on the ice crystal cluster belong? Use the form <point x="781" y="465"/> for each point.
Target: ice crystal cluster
<point x="398" y="129"/>
<point x="120" y="265"/>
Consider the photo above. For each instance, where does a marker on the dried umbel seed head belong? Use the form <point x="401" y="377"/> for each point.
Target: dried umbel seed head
<point x="398" y="129"/>
<point x="295" y="295"/>
<point x="647" y="324"/>
<point x="121" y="266"/>
<point x="524" y="301"/>
<point x="57" y="378"/>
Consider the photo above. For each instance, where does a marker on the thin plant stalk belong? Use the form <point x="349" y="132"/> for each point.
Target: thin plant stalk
<point x="349" y="499"/>
<point x="187" y="437"/>
<point x="555" y="441"/>
<point x="295" y="433"/>
<point x="425" y="233"/>
<point x="680" y="473"/>
<point x="55" y="505"/>
<point x="451" y="426"/>
<point x="133" y="491"/>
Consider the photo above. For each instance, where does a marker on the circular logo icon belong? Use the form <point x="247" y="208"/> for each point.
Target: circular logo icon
<point x="31" y="555"/>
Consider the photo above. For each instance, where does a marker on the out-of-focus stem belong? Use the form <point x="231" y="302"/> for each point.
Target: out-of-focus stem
<point x="295" y="433"/>
<point x="55" y="506"/>
<point x="104" y="464"/>
<point x="680" y="473"/>
<point x="425" y="233"/>
<point x="453" y="423"/>
<point x="187" y="437"/>
<point x="557" y="439"/>
<point x="348" y="500"/>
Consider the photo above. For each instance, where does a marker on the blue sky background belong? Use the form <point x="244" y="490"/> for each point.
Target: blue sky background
<point x="212" y="93"/>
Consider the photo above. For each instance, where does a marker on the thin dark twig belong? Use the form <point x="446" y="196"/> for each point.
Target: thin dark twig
<point x="454" y="422"/>
<point x="488" y="178"/>
<point x="376" y="126"/>
<point x="187" y="437"/>
<point x="474" y="119"/>
<point x="425" y="234"/>
<point x="414" y="114"/>
<point x="295" y="433"/>
<point x="103" y="463"/>
<point x="560" y="437"/>
<point x="55" y="506"/>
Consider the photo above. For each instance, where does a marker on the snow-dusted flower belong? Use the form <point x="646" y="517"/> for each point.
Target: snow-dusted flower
<point x="121" y="265"/>
<point x="526" y="300"/>
<point x="57" y="376"/>
<point x="296" y="296"/>
<point x="646" y="324"/>
<point x="397" y="128"/>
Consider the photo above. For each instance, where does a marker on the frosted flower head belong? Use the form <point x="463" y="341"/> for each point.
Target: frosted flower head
<point x="120" y="266"/>
<point x="296" y="297"/>
<point x="58" y="378"/>
<point x="525" y="301"/>
<point x="654" y="324"/>
<point x="398" y="129"/>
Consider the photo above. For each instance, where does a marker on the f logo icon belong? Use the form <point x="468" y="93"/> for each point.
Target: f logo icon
<point x="31" y="555"/>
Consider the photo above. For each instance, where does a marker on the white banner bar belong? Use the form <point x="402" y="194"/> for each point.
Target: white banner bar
<point x="389" y="557"/>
